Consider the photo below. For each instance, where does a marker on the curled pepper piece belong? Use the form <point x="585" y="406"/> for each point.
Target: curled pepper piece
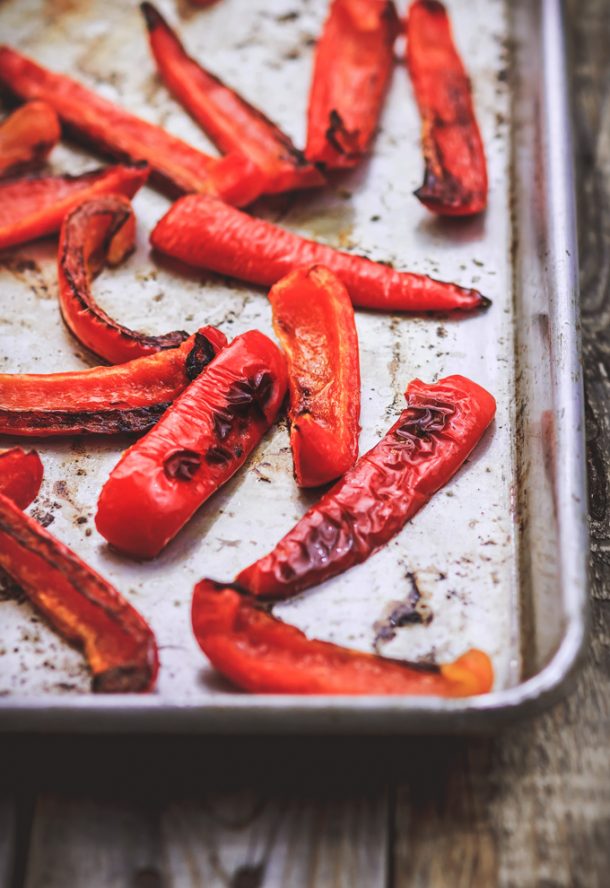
<point x="314" y="320"/>
<point x="388" y="485"/>
<point x="101" y="230"/>
<point x="353" y="65"/>
<point x="117" y="642"/>
<point x="200" y="443"/>
<point x="232" y="123"/>
<point x="20" y="476"/>
<point x="27" y="136"/>
<point x="35" y="206"/>
<point x="105" y="400"/>
<point x="115" y="131"/>
<point x="208" y="234"/>
<point x="261" y="654"/>
<point x="455" y="182"/>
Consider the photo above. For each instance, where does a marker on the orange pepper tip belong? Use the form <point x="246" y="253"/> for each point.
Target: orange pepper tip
<point x="472" y="673"/>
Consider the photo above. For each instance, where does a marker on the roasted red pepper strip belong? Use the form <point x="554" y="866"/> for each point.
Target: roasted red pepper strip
<point x="101" y="230"/>
<point x="314" y="320"/>
<point x="105" y="400"/>
<point x="386" y="487"/>
<point x="231" y="122"/>
<point x="455" y="182"/>
<point x="121" y="134"/>
<point x="35" y="206"/>
<point x="27" y="136"/>
<point x="199" y="444"/>
<point x="119" y="645"/>
<point x="20" y="476"/>
<point x="354" y="60"/>
<point x="208" y="234"/>
<point x="261" y="654"/>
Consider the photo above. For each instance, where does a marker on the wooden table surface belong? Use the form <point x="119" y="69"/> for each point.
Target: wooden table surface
<point x="530" y="807"/>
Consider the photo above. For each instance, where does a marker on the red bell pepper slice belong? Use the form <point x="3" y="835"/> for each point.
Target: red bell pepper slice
<point x="27" y="136"/>
<point x="313" y="318"/>
<point x="110" y="128"/>
<point x="206" y="233"/>
<point x="35" y="206"/>
<point x="20" y="476"/>
<point x="119" y="645"/>
<point x="353" y="65"/>
<point x="455" y="182"/>
<point x="388" y="485"/>
<point x="200" y="443"/>
<point x="101" y="230"/>
<point x="105" y="400"/>
<point x="261" y="654"/>
<point x="232" y="123"/>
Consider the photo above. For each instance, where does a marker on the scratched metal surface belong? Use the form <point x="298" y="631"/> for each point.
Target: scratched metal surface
<point x="462" y="549"/>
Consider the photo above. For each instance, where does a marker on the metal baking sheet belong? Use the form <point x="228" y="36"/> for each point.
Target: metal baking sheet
<point x="499" y="554"/>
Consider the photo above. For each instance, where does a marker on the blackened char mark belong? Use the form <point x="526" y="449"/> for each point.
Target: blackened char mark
<point x="199" y="356"/>
<point x="182" y="465"/>
<point x="423" y="421"/>
<point x="83" y="422"/>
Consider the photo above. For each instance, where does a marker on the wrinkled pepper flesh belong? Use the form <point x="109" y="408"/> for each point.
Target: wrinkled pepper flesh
<point x="128" y="397"/>
<point x="425" y="447"/>
<point x="455" y="181"/>
<point x="232" y="123"/>
<point x="35" y="206"/>
<point x="353" y="65"/>
<point x="27" y="136"/>
<point x="207" y="233"/>
<point x="261" y="654"/>
<point x="86" y="610"/>
<point x="117" y="132"/>
<point x="101" y="231"/>
<point x="313" y="318"/>
<point x="20" y="476"/>
<point x="202" y="440"/>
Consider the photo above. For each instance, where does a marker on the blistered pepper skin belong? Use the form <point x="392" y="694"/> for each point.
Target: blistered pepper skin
<point x="27" y="137"/>
<point x="20" y="476"/>
<point x="198" y="445"/>
<point x="101" y="230"/>
<point x="206" y="233"/>
<point x="388" y="485"/>
<point x="455" y="182"/>
<point x="265" y="656"/>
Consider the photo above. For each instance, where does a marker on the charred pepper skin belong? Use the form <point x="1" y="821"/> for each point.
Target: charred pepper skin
<point x="27" y="137"/>
<point x="199" y="444"/>
<point x="101" y="231"/>
<point x="388" y="485"/>
<point x="86" y="610"/>
<point x="35" y="206"/>
<point x="455" y="182"/>
<point x="353" y="65"/>
<point x="20" y="476"/>
<point x="117" y="132"/>
<point x="233" y="124"/>
<point x="206" y="233"/>
<point x="313" y="318"/>
<point x="126" y="398"/>
<point x="265" y="656"/>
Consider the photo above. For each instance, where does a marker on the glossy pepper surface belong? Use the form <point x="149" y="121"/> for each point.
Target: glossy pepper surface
<point x="313" y="318"/>
<point x="455" y="182"/>
<point x="86" y="610"/>
<point x="353" y="65"/>
<point x="104" y="400"/>
<point x="261" y="654"/>
<point x="101" y="231"/>
<point x="35" y="206"/>
<point x="209" y="234"/>
<point x="27" y="136"/>
<point x="20" y="475"/>
<point x="426" y="446"/>
<point x="199" y="444"/>
<point x="121" y="134"/>
<point x="232" y="123"/>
